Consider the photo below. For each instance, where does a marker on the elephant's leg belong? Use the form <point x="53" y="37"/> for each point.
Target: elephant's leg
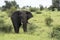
<point x="25" y="27"/>
<point x="24" y="21"/>
<point x="16" y="29"/>
<point x="19" y="23"/>
<point x="16" y="25"/>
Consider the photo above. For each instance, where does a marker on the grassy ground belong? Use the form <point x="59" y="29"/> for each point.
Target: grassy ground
<point x="37" y="29"/>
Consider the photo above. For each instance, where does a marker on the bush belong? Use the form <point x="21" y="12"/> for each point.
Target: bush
<point x="10" y="11"/>
<point x="38" y="12"/>
<point x="6" y="29"/>
<point x="33" y="9"/>
<point x="48" y="21"/>
<point x="31" y="28"/>
<point x="56" y="32"/>
<point x="5" y="24"/>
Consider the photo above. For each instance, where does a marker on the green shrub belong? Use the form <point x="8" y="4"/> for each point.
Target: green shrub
<point x="31" y="28"/>
<point x="33" y="9"/>
<point x="5" y="24"/>
<point x="56" y="32"/>
<point x="48" y="21"/>
<point x="38" y="12"/>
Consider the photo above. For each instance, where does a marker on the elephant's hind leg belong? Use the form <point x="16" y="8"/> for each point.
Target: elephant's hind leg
<point x="16" y="25"/>
<point x="16" y="29"/>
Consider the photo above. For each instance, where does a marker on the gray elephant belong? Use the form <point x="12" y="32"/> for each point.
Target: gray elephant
<point x="20" y="17"/>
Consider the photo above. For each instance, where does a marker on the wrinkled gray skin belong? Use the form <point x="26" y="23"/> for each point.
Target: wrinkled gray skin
<point x="20" y="17"/>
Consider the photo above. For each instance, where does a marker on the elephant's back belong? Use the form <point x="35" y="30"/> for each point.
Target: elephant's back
<point x="15" y="13"/>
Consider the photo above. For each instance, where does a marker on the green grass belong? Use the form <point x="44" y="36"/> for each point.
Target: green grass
<point x="39" y="31"/>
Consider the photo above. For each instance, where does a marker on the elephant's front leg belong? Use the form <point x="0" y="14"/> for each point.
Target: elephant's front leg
<point x="25" y="27"/>
<point x="24" y="21"/>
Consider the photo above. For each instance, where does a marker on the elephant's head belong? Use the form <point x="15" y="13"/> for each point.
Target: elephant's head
<point x="29" y="15"/>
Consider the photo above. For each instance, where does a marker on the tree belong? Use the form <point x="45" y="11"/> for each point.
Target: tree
<point x="51" y="8"/>
<point x="56" y="4"/>
<point x="9" y="4"/>
<point x="41" y="7"/>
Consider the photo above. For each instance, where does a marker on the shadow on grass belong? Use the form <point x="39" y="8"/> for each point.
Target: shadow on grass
<point x="6" y="29"/>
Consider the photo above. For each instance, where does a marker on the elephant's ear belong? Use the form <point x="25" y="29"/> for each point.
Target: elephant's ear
<point x="29" y="15"/>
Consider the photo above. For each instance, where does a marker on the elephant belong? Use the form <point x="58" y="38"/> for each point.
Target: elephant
<point x="19" y="18"/>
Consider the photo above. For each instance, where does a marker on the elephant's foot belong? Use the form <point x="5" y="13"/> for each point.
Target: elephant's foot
<point x="25" y="29"/>
<point x="16" y="30"/>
